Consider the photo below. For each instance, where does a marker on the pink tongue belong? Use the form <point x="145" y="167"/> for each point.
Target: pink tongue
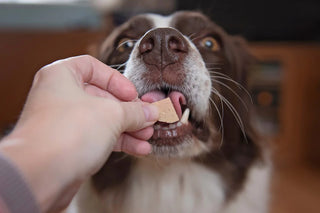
<point x="177" y="99"/>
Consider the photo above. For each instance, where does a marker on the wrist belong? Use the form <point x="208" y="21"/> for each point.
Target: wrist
<point x="39" y="167"/>
<point x="15" y="194"/>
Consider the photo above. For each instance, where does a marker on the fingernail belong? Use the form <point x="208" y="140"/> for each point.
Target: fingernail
<point x="151" y="112"/>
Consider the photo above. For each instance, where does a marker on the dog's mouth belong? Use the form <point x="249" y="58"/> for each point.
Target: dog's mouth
<point x="181" y="131"/>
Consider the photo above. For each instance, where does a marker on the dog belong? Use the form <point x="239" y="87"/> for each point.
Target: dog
<point x="212" y="160"/>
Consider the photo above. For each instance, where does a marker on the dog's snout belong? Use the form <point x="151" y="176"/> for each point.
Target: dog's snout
<point x="163" y="46"/>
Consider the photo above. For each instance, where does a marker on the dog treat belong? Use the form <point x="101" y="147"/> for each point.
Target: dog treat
<point x="167" y="113"/>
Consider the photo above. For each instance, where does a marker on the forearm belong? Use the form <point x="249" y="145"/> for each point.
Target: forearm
<point x="50" y="174"/>
<point x="51" y="153"/>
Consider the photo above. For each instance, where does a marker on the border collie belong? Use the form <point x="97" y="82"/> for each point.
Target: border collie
<point x="212" y="160"/>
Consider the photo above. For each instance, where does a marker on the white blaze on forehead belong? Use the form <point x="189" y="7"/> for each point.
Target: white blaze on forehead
<point x="160" y="21"/>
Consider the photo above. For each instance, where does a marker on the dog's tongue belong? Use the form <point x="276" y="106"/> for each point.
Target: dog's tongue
<point x="177" y="99"/>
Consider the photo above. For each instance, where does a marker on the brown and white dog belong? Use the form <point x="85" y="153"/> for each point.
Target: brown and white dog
<point x="211" y="160"/>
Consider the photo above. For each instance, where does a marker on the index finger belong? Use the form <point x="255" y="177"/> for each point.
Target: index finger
<point x="92" y="71"/>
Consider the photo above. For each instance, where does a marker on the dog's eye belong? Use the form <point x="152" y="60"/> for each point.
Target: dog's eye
<point x="125" y="44"/>
<point x="210" y="43"/>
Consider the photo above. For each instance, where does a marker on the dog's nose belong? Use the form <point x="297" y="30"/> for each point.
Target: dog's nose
<point x="163" y="46"/>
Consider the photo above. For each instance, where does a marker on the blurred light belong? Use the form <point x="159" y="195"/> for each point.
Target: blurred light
<point x="265" y="98"/>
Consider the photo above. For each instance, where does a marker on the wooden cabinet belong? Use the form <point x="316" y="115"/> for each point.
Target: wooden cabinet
<point x="298" y="139"/>
<point x="296" y="176"/>
<point x="23" y="53"/>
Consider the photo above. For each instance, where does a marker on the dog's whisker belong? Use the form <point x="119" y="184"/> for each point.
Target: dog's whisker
<point x="221" y="102"/>
<point x="195" y="38"/>
<point x="218" y="111"/>
<point x="240" y="87"/>
<point x="233" y="110"/>
<point x="190" y="36"/>
<point x="231" y="107"/>
<point x="227" y="78"/>
<point x="119" y="66"/>
<point x="214" y="63"/>
<point x="234" y="92"/>
<point x="216" y="92"/>
<point x="222" y="113"/>
<point x="235" y="114"/>
<point x="219" y="73"/>
<point x="115" y="65"/>
<point x="214" y="68"/>
<point x="221" y="128"/>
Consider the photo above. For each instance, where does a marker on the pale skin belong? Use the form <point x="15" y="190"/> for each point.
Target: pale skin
<point x="77" y="112"/>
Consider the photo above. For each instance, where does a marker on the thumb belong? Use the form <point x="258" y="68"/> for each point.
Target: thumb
<point x="138" y="115"/>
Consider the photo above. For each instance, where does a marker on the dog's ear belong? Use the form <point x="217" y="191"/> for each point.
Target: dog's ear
<point x="241" y="59"/>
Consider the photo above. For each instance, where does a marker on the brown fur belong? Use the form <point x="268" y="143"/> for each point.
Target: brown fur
<point x="234" y="150"/>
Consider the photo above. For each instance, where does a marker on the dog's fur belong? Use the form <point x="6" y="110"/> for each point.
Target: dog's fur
<point x="216" y="162"/>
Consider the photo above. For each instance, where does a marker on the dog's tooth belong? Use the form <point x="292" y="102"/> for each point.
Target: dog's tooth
<point x="174" y="133"/>
<point x="172" y="126"/>
<point x="156" y="127"/>
<point x="185" y="116"/>
<point x="179" y="124"/>
<point x="169" y="133"/>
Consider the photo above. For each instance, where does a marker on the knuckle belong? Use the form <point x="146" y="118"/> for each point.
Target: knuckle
<point x="40" y="75"/>
<point x="89" y="57"/>
<point x="86" y="58"/>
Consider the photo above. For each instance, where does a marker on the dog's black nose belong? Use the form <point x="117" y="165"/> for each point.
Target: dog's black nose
<point x="163" y="46"/>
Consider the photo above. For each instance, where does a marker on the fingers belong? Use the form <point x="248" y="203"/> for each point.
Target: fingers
<point x="87" y="69"/>
<point x="143" y="134"/>
<point x="96" y="91"/>
<point x="132" y="146"/>
<point x="138" y="115"/>
<point x="94" y="72"/>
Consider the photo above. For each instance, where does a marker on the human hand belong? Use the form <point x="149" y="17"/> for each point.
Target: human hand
<point x="78" y="111"/>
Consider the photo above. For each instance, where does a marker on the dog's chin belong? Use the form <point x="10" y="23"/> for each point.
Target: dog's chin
<point x="179" y="140"/>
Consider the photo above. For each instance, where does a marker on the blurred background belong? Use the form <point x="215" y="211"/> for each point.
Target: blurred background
<point x="283" y="35"/>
